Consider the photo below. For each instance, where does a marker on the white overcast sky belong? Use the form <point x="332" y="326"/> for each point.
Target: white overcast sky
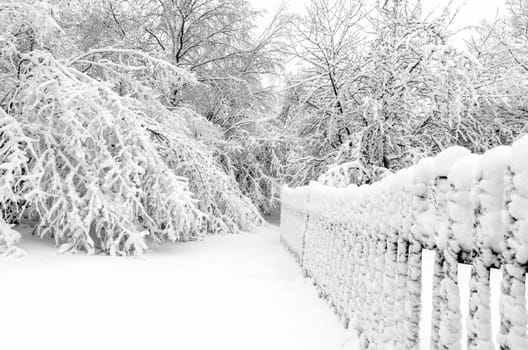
<point x="472" y="13"/>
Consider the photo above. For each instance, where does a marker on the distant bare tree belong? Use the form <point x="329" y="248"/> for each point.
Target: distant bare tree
<point x="216" y="40"/>
<point x="327" y="42"/>
<point x="379" y="87"/>
<point x="500" y="48"/>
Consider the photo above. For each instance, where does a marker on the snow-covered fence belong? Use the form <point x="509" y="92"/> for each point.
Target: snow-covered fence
<point x="362" y="246"/>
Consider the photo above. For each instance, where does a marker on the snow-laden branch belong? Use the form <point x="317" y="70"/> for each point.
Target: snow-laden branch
<point x="95" y="159"/>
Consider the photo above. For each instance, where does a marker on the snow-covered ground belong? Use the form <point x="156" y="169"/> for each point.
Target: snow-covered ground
<point x="228" y="292"/>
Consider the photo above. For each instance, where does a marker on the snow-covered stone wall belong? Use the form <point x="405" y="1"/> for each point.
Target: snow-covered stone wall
<point x="362" y="246"/>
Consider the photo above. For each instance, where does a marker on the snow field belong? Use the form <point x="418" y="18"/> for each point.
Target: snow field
<point x="232" y="292"/>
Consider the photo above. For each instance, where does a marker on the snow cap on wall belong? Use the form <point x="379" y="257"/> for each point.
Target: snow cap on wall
<point x="465" y="172"/>
<point x="447" y="158"/>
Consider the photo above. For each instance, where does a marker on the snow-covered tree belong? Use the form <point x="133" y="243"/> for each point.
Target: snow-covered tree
<point x="394" y="91"/>
<point x="327" y="44"/>
<point x="500" y="48"/>
<point x="97" y="160"/>
<point x="230" y="57"/>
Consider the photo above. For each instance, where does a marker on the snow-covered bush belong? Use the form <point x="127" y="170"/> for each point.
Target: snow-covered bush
<point x="358" y="243"/>
<point x="226" y="208"/>
<point x="255" y="158"/>
<point x="104" y="185"/>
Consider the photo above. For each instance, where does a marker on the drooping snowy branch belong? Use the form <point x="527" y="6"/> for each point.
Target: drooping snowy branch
<point x="94" y="156"/>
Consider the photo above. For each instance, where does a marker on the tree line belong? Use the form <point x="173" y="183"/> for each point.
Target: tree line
<point x="125" y="123"/>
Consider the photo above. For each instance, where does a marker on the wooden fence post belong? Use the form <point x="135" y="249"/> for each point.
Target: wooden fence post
<point x="402" y="288"/>
<point x="488" y="232"/>
<point x="414" y="298"/>
<point x="437" y="308"/>
<point x="513" y="314"/>
<point x="479" y="322"/>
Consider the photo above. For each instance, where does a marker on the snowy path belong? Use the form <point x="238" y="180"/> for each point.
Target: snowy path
<point x="228" y="292"/>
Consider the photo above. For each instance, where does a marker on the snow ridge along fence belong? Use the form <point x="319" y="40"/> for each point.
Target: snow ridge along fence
<point x="362" y="246"/>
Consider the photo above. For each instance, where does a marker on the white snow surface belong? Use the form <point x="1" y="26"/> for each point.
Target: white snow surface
<point x="227" y="292"/>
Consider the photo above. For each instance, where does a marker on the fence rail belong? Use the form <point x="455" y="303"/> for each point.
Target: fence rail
<point x="362" y="246"/>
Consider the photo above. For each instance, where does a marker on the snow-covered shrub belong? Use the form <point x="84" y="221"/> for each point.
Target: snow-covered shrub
<point x="8" y="240"/>
<point x="344" y="174"/>
<point x="255" y="158"/>
<point x="188" y="142"/>
<point x="103" y="183"/>
<point x="19" y="166"/>
<point x="226" y="208"/>
<point x="466" y="207"/>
